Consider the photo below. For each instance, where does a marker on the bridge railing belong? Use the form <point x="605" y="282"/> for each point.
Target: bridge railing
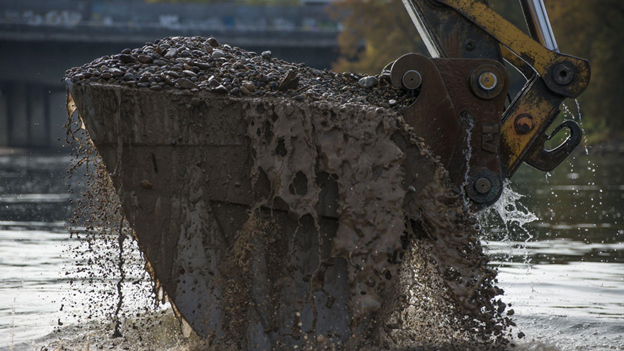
<point x="134" y="17"/>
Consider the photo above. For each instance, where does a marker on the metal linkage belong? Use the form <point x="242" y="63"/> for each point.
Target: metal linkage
<point x="539" y="24"/>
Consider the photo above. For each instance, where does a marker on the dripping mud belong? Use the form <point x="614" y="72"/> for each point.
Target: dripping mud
<point x="276" y="219"/>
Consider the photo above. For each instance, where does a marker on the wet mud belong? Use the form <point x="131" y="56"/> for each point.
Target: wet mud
<point x="279" y="223"/>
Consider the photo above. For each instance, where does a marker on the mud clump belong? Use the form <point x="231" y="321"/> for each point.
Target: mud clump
<point x="287" y="207"/>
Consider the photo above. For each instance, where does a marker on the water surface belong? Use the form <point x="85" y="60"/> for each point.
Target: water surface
<point x="563" y="273"/>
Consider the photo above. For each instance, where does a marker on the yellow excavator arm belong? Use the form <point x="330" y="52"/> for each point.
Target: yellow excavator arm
<point x="461" y="89"/>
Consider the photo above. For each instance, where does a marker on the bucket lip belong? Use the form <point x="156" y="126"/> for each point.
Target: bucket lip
<point x="71" y="86"/>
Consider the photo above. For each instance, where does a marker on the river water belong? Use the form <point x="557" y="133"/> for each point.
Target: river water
<point x="563" y="273"/>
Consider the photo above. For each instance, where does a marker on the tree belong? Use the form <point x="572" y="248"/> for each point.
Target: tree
<point x="375" y="33"/>
<point x="594" y="29"/>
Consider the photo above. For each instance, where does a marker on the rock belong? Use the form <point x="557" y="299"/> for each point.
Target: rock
<point x="171" y="53"/>
<point x="145" y="59"/>
<point x="220" y="89"/>
<point x="197" y="65"/>
<point x="213" y="82"/>
<point x="186" y="84"/>
<point x="173" y="74"/>
<point x="235" y="92"/>
<point x="291" y="81"/>
<point x="213" y="42"/>
<point x="368" y="82"/>
<point x="145" y="184"/>
<point x="249" y="85"/>
<point x="195" y="101"/>
<point x="127" y="59"/>
<point x="126" y="51"/>
<point x="117" y="72"/>
<point x="202" y="65"/>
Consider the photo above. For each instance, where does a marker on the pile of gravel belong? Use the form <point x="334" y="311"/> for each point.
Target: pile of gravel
<point x="194" y="64"/>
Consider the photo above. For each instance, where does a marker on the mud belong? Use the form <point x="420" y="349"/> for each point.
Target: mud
<point x="279" y="223"/>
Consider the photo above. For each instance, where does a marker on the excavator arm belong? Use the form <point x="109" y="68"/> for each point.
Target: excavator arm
<point x="460" y="109"/>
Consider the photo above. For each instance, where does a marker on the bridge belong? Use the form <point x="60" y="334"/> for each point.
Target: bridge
<point x="40" y="39"/>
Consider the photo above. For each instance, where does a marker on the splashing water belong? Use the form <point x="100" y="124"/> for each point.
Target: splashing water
<point x="578" y="116"/>
<point x="509" y="217"/>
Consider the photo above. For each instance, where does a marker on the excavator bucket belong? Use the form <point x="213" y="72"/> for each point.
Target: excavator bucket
<point x="306" y="214"/>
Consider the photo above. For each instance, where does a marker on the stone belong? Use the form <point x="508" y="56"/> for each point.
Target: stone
<point x="368" y="82"/>
<point x="196" y="65"/>
<point x="145" y="59"/>
<point x="213" y="82"/>
<point x="250" y="86"/>
<point x="117" y="72"/>
<point x="220" y="89"/>
<point x="291" y="81"/>
<point x="173" y="74"/>
<point x="213" y="42"/>
<point x="171" y="53"/>
<point x="202" y="65"/>
<point x="127" y="59"/>
<point x="185" y="83"/>
<point x="235" y="91"/>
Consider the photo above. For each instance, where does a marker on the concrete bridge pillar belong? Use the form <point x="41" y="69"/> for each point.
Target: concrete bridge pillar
<point x="38" y="116"/>
<point x="18" y="115"/>
<point x="31" y="115"/>
<point x="57" y="101"/>
<point x="4" y="119"/>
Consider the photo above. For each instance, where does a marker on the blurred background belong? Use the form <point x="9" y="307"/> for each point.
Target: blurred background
<point x="40" y="39"/>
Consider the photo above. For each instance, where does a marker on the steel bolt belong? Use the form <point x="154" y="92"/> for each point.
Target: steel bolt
<point x="524" y="123"/>
<point x="412" y="80"/>
<point x="488" y="81"/>
<point x="563" y="74"/>
<point x="483" y="185"/>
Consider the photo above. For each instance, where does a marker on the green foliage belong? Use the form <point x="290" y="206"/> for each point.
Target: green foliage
<point x="382" y="26"/>
<point x="594" y="29"/>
